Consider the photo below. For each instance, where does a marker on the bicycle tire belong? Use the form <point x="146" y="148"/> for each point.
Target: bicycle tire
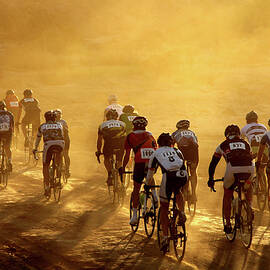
<point x="4" y="172"/>
<point x="268" y="197"/>
<point x="134" y="228"/>
<point x="230" y="236"/>
<point x="159" y="231"/>
<point x="49" y="195"/>
<point x="191" y="206"/>
<point x="57" y="187"/>
<point x="179" y="238"/>
<point x="246" y="224"/>
<point x="261" y="192"/>
<point x="150" y="216"/>
<point x="116" y="193"/>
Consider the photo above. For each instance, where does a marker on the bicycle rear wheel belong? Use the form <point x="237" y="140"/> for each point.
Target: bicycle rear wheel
<point x="230" y="236"/>
<point x="116" y="187"/>
<point x="57" y="185"/>
<point x="134" y="228"/>
<point x="261" y="192"/>
<point x="159" y="230"/>
<point x="268" y="197"/>
<point x="179" y="238"/>
<point x="246" y="224"/>
<point x="149" y="215"/>
<point x="48" y="196"/>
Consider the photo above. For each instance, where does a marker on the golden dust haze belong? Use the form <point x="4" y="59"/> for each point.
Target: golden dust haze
<point x="207" y="61"/>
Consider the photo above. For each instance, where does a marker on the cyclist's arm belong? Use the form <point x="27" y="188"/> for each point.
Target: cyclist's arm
<point x="39" y="136"/>
<point x="152" y="167"/>
<point x="99" y="142"/>
<point x="213" y="164"/>
<point x="20" y="111"/>
<point x="126" y="158"/>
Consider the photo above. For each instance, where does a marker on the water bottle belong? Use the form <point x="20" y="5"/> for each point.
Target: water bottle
<point x="142" y="196"/>
<point x="236" y="205"/>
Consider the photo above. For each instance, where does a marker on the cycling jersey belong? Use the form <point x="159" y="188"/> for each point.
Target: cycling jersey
<point x="127" y="118"/>
<point x="12" y="103"/>
<point x="235" y="151"/>
<point x="51" y="131"/>
<point x="112" y="130"/>
<point x="65" y="129"/>
<point x="174" y="174"/>
<point x="254" y="133"/>
<point x="266" y="140"/>
<point x="143" y="144"/>
<point x="6" y="122"/>
<point x="116" y="107"/>
<point x="187" y="142"/>
<point x="30" y="105"/>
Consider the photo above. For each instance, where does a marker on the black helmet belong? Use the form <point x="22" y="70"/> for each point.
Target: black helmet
<point x="251" y="117"/>
<point x="128" y="109"/>
<point x="2" y="105"/>
<point x="269" y="122"/>
<point x="111" y="114"/>
<point x="183" y="124"/>
<point x="58" y="113"/>
<point x="28" y="93"/>
<point x="165" y="139"/>
<point x="10" y="92"/>
<point x="50" y="115"/>
<point x="139" y="122"/>
<point x="232" y="130"/>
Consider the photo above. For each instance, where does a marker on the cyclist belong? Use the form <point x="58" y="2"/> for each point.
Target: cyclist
<point x="32" y="113"/>
<point x="143" y="144"/>
<point x="6" y="130"/>
<point x="53" y="138"/>
<point x="113" y="132"/>
<point x="113" y="104"/>
<point x="238" y="157"/>
<point x="264" y="141"/>
<point x="174" y="176"/>
<point x="187" y="143"/>
<point x="66" y="138"/>
<point x="12" y="103"/>
<point x="127" y="117"/>
<point x="254" y="131"/>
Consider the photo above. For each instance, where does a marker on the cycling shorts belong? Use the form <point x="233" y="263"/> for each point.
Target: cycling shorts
<point x="255" y="150"/>
<point x="7" y="138"/>
<point x="49" y="147"/>
<point x="231" y="170"/>
<point x="110" y="147"/>
<point x="190" y="153"/>
<point x="140" y="171"/>
<point x="170" y="184"/>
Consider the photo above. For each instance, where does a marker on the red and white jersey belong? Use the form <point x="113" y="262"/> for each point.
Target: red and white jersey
<point x="253" y="132"/>
<point x="143" y="144"/>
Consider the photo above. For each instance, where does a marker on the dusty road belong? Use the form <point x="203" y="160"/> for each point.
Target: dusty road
<point x="85" y="231"/>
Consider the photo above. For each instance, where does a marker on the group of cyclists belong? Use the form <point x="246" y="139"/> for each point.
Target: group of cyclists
<point x="124" y="130"/>
<point x="54" y="131"/>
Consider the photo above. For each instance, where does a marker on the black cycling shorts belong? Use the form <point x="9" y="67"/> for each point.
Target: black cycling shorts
<point x="140" y="171"/>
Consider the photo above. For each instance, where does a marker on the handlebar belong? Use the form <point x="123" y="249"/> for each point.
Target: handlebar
<point x="35" y="154"/>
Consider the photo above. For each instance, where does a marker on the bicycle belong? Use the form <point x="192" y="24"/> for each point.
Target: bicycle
<point x="259" y="185"/>
<point x="4" y="173"/>
<point x="117" y="190"/>
<point x="149" y="208"/>
<point x="177" y="232"/>
<point x="241" y="213"/>
<point x="55" y="173"/>
<point x="191" y="204"/>
<point x="28" y="145"/>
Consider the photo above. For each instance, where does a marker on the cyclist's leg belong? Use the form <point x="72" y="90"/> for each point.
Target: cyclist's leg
<point x="24" y="124"/>
<point x="268" y="172"/>
<point x="66" y="156"/>
<point x="35" y="125"/>
<point x="193" y="178"/>
<point x="108" y="152"/>
<point x="47" y="157"/>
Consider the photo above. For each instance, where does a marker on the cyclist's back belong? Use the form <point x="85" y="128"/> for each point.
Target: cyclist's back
<point x="12" y="103"/>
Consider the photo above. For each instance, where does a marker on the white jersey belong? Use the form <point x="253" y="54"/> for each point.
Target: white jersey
<point x="116" y="107"/>
<point x="168" y="158"/>
<point x="253" y="132"/>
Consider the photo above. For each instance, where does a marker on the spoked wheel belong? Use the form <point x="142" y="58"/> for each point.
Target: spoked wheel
<point x="5" y="178"/>
<point x="149" y="214"/>
<point x="230" y="236"/>
<point x="179" y="238"/>
<point x="63" y="174"/>
<point x="268" y="199"/>
<point x="57" y="188"/>
<point x="160" y="234"/>
<point x="122" y="193"/>
<point x="246" y="224"/>
<point x="49" y="194"/>
<point x="134" y="228"/>
<point x="116" y="187"/>
<point x="261" y="192"/>
<point x="191" y="205"/>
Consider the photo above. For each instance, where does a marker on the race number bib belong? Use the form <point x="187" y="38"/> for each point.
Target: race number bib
<point x="186" y="133"/>
<point x="112" y="125"/>
<point x="237" y="145"/>
<point x="14" y="104"/>
<point x="4" y="127"/>
<point x="146" y="153"/>
<point x="131" y="117"/>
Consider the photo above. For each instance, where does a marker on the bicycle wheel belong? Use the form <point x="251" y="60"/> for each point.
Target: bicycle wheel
<point x="230" y="236"/>
<point x="149" y="214"/>
<point x="246" y="224"/>
<point x="57" y="186"/>
<point x="4" y="174"/>
<point x="160" y="234"/>
<point x="48" y="196"/>
<point x="268" y="197"/>
<point x="179" y="238"/>
<point x="116" y="187"/>
<point x="261" y="192"/>
<point x="134" y="228"/>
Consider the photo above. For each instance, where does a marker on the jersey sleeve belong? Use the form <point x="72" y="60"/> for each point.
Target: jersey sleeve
<point x="218" y="152"/>
<point x="127" y="144"/>
<point x="153" y="162"/>
<point x="39" y="133"/>
<point x="264" y="139"/>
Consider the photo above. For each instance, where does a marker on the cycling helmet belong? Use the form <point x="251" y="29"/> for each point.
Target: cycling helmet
<point x="128" y="109"/>
<point x="112" y="98"/>
<point x="10" y="92"/>
<point x="139" y="122"/>
<point x="50" y="116"/>
<point x="269" y="122"/>
<point x="165" y="139"/>
<point x="58" y="113"/>
<point x="27" y="92"/>
<point x="2" y="105"/>
<point x="111" y="114"/>
<point x="232" y="130"/>
<point x="251" y="117"/>
<point x="183" y="124"/>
